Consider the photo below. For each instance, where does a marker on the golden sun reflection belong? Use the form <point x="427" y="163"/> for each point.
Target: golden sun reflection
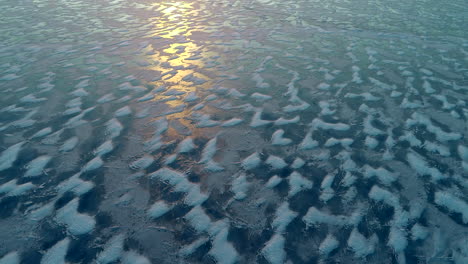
<point x="178" y="58"/>
<point x="173" y="21"/>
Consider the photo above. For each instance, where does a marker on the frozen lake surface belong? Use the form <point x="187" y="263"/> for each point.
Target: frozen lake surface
<point x="224" y="131"/>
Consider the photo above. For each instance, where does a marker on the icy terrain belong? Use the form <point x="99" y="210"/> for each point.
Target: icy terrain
<point x="223" y="131"/>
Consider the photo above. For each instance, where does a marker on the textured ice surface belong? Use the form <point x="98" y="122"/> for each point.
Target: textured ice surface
<point x="233" y="131"/>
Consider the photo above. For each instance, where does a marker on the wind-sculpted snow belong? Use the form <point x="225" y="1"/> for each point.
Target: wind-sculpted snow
<point x="230" y="131"/>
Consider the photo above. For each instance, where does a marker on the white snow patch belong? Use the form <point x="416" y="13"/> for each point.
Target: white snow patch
<point x="274" y="250"/>
<point x="206" y="121"/>
<point x="323" y="86"/>
<point x="42" y="212"/>
<point x="276" y="162"/>
<point x="132" y="257"/>
<point x="327" y="192"/>
<point x="31" y="99"/>
<point x="298" y="183"/>
<point x="113" y="128"/>
<point x="9" y="156"/>
<point x="162" y="125"/>
<point x="366" y="96"/>
<point x="257" y="121"/>
<point x="273" y="181"/>
<point x="453" y="203"/>
<point x="106" y="98"/>
<point x="297" y="163"/>
<point x="235" y="93"/>
<point x="325" y="106"/>
<point x="209" y="150"/>
<point x="158" y="209"/>
<point x="360" y="244"/>
<point x="104" y="148"/>
<point x="463" y="152"/>
<point x="232" y="122"/>
<point x="344" y="142"/>
<point x="124" y="111"/>
<point x="384" y="176"/>
<point x="437" y="148"/>
<point x="76" y="223"/>
<point x="36" y="167"/>
<point x="283" y="216"/>
<point x="112" y="251"/>
<point x="397" y="239"/>
<point x="411" y="138"/>
<point x="371" y="142"/>
<point x="76" y="185"/>
<point x="283" y="121"/>
<point x="423" y="168"/>
<point x="170" y="159"/>
<point x="348" y="180"/>
<point x="69" y="144"/>
<point x="10" y="258"/>
<point x="180" y="183"/>
<point x="308" y="142"/>
<point x="222" y="250"/>
<point x="329" y="244"/>
<point x="80" y="92"/>
<point x="419" y="232"/>
<point x="251" y="162"/>
<point x="142" y="163"/>
<point x="381" y="195"/>
<point x="278" y="139"/>
<point x="315" y="217"/>
<point x="260" y="97"/>
<point x="191" y="97"/>
<point x="13" y="189"/>
<point x="442" y="136"/>
<point x="240" y="186"/>
<point x="318" y="123"/>
<point x="57" y="253"/>
<point x="43" y="132"/>
<point x="93" y="164"/>
<point x="198" y="219"/>
<point x="191" y="248"/>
